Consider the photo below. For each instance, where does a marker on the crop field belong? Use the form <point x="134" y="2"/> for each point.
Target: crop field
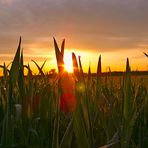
<point x="72" y="110"/>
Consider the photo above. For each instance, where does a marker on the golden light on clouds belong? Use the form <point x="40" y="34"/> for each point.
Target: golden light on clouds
<point x="115" y="60"/>
<point x="118" y="28"/>
<point x="7" y="2"/>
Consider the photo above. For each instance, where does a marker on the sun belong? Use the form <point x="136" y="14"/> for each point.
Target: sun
<point x="68" y="62"/>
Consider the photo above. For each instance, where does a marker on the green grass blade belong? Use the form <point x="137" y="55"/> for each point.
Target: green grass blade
<point x="21" y="82"/>
<point x="15" y="65"/>
<point x="55" y="142"/>
<point x="66" y="140"/>
<point x="127" y="109"/>
<point x="127" y="94"/>
<point x="8" y="122"/>
<point x="80" y="131"/>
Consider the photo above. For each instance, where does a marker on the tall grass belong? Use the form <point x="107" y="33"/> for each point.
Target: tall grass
<point x="71" y="110"/>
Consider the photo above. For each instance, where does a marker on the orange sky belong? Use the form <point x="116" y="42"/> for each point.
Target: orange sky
<point x="115" y="29"/>
<point x="116" y="60"/>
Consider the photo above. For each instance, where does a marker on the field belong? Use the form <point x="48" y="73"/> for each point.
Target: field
<point x="72" y="110"/>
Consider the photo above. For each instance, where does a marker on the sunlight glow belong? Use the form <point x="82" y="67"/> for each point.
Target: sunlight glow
<point x="68" y="62"/>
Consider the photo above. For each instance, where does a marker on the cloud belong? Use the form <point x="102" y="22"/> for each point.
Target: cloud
<point x="27" y="57"/>
<point x="108" y="25"/>
<point x="6" y="2"/>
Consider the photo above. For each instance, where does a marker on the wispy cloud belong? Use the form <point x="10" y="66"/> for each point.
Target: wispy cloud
<point x="97" y="25"/>
<point x="6" y="2"/>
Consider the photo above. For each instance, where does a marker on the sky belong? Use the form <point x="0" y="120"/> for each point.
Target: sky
<point x="115" y="29"/>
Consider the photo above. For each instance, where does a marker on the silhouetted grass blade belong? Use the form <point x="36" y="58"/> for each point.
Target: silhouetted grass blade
<point x="75" y="66"/>
<point x="59" y="57"/>
<point x="15" y="65"/>
<point x="39" y="68"/>
<point x="62" y="48"/>
<point x="146" y="54"/>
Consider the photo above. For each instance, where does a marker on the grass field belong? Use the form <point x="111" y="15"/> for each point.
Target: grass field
<point x="72" y="110"/>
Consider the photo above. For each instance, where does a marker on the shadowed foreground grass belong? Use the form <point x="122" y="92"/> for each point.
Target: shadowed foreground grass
<point x="72" y="110"/>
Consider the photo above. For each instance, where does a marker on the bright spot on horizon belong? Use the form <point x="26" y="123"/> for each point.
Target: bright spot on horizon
<point x="68" y="62"/>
